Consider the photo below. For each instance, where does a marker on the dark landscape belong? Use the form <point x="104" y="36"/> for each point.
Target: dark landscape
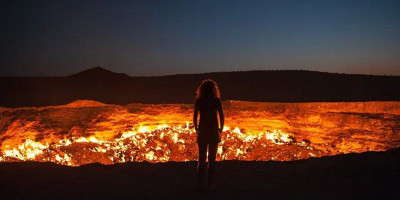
<point x="370" y="175"/>
<point x="122" y="99"/>
<point x="267" y="86"/>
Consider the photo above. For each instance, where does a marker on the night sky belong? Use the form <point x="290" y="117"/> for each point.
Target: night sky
<point x="57" y="38"/>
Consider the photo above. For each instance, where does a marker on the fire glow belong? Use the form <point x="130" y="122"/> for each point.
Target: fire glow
<point x="86" y="131"/>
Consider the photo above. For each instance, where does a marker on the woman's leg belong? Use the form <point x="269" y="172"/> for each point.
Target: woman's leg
<point x="201" y="165"/>
<point x="212" y="153"/>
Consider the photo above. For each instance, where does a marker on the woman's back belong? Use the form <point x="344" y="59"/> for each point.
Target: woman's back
<point x="208" y="111"/>
<point x="208" y="125"/>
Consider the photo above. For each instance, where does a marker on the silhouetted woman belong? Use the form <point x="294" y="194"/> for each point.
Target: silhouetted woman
<point x="208" y="103"/>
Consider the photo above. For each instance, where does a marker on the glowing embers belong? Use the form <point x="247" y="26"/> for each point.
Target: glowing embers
<point x="276" y="136"/>
<point x="86" y="132"/>
<point x="26" y="151"/>
<point x="160" y="144"/>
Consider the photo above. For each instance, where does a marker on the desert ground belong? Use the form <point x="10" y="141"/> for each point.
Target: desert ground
<point x="370" y="175"/>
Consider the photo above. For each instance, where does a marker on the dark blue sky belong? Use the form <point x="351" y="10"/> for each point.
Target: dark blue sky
<point x="42" y="38"/>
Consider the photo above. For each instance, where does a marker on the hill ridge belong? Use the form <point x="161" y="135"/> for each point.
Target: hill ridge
<point x="260" y="86"/>
<point x="97" y="72"/>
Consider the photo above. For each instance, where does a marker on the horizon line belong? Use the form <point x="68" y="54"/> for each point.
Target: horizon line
<point x="199" y="73"/>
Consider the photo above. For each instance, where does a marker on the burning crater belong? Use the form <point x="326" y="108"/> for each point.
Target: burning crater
<point x="85" y="131"/>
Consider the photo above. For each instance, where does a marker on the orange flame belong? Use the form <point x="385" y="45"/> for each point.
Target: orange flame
<point x="159" y="133"/>
<point x="161" y="144"/>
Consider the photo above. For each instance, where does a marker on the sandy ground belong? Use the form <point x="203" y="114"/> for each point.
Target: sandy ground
<point x="371" y="175"/>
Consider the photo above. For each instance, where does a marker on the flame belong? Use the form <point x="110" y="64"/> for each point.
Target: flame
<point x="144" y="144"/>
<point x="26" y="151"/>
<point x="161" y="133"/>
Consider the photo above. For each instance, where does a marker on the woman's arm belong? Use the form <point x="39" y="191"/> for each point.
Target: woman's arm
<point x="221" y="115"/>
<point x="195" y="113"/>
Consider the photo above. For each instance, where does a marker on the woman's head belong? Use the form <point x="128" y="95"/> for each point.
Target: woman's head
<point x="208" y="88"/>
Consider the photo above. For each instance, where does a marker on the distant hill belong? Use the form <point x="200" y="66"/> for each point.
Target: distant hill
<point x="118" y="88"/>
<point x="96" y="72"/>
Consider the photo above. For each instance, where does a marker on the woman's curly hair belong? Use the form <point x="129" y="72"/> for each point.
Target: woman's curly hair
<point x="208" y="88"/>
